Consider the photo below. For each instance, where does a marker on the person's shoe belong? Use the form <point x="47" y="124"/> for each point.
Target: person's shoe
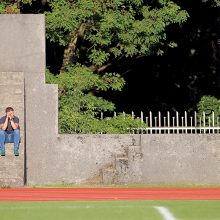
<point x="16" y="153"/>
<point x="2" y="153"/>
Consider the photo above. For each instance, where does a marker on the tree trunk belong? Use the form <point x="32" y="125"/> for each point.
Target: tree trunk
<point x="69" y="51"/>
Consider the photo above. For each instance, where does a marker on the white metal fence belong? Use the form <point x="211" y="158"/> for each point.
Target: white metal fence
<point x="176" y="123"/>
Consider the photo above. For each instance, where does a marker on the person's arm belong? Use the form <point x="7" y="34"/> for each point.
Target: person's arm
<point x="5" y="125"/>
<point x="1" y="123"/>
<point x="13" y="124"/>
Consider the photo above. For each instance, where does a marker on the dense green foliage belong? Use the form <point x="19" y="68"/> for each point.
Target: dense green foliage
<point x="12" y="6"/>
<point x="80" y="111"/>
<point x="78" y="108"/>
<point x="206" y="107"/>
<point x="5" y="6"/>
<point x="111" y="30"/>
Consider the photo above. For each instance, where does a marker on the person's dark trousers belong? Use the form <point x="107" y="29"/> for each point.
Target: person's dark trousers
<point x="14" y="137"/>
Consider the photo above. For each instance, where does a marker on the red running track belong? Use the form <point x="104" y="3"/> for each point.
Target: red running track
<point x="71" y="194"/>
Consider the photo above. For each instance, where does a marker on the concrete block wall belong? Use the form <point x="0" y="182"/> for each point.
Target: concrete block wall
<point x="12" y="94"/>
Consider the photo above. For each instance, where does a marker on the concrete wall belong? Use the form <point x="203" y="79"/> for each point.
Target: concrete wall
<point x="103" y="159"/>
<point x="80" y="158"/>
<point x="122" y="159"/>
<point x="12" y="94"/>
<point x="181" y="159"/>
<point x="22" y="49"/>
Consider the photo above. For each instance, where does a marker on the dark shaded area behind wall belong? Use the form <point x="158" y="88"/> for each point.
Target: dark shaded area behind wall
<point x="178" y="79"/>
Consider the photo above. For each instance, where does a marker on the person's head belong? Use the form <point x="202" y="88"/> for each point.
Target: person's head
<point x="9" y="111"/>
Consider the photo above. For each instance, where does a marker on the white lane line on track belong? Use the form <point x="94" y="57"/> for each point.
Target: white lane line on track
<point x="167" y="215"/>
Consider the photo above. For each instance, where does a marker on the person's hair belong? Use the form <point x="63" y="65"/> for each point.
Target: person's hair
<point x="9" y="109"/>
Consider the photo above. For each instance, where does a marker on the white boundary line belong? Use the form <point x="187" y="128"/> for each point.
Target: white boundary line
<point x="167" y="215"/>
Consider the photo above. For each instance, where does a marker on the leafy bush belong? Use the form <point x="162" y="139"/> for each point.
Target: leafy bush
<point x="122" y="122"/>
<point x="79" y="109"/>
<point x="79" y="122"/>
<point x="3" y="6"/>
<point x="207" y="105"/>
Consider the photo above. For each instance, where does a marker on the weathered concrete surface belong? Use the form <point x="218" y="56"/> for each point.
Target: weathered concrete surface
<point x="80" y="158"/>
<point x="22" y="45"/>
<point x="22" y="49"/>
<point x="181" y="158"/>
<point x="12" y="94"/>
<point x="123" y="159"/>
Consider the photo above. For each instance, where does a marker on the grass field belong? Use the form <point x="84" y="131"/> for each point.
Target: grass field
<point x="111" y="210"/>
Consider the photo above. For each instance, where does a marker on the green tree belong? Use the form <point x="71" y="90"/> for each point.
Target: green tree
<point x="8" y="7"/>
<point x="206" y="107"/>
<point x="79" y="110"/>
<point x="13" y="6"/>
<point x="98" y="36"/>
<point x="101" y="33"/>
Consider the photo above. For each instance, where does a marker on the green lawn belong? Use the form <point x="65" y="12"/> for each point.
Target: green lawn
<point x="110" y="210"/>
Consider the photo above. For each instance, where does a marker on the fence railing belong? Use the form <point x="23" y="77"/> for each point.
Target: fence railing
<point x="177" y="123"/>
<point x="175" y="130"/>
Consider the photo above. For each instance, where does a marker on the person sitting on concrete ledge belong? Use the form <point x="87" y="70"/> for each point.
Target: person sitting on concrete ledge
<point x="9" y="131"/>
